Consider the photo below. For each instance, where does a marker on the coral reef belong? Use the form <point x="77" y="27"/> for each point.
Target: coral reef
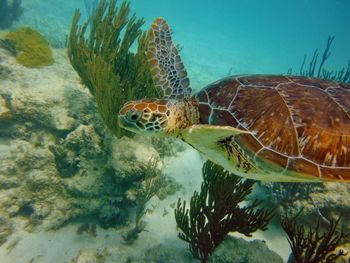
<point x="31" y="47"/>
<point x="104" y="61"/>
<point x="316" y="68"/>
<point x="162" y="253"/>
<point x="311" y="246"/>
<point x="55" y="164"/>
<point x="10" y="11"/>
<point x="237" y="250"/>
<point x="90" y="256"/>
<point x="215" y="211"/>
<point x="232" y="250"/>
<point x="328" y="200"/>
<point x="153" y="183"/>
<point x="168" y="146"/>
<point x="6" y="229"/>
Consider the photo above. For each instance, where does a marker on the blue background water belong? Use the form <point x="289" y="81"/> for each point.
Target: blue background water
<point x="234" y="36"/>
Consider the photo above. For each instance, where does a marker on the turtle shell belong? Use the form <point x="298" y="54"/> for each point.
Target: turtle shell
<point x="299" y="124"/>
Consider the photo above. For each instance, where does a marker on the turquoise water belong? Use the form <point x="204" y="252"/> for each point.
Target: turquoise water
<point x="237" y="37"/>
<point x="253" y="36"/>
<point x="70" y="190"/>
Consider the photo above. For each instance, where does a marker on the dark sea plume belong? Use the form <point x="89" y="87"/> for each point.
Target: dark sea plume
<point x="310" y="245"/>
<point x="215" y="211"/>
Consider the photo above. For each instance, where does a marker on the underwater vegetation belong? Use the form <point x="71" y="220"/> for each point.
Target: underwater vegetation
<point x="312" y="246"/>
<point x="215" y="211"/>
<point x="153" y="181"/>
<point x="10" y="11"/>
<point x="308" y="200"/>
<point x="100" y="52"/>
<point x="29" y="46"/>
<point x="316" y="68"/>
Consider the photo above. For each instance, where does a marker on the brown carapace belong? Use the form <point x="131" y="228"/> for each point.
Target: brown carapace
<point x="277" y="128"/>
<point x="301" y="125"/>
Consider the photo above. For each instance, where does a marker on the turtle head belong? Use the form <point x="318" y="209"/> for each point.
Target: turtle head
<point x="157" y="117"/>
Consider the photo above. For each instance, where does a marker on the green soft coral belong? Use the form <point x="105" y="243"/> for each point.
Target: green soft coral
<point x="100" y="52"/>
<point x="32" y="49"/>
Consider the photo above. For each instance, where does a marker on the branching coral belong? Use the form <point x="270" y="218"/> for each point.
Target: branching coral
<point x="215" y="211"/>
<point x="311" y="246"/>
<point x="104" y="61"/>
<point x="31" y="48"/>
<point x="9" y="11"/>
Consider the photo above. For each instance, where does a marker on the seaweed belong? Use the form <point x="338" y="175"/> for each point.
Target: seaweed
<point x="316" y="68"/>
<point x="311" y="246"/>
<point x="215" y="211"/>
<point x="30" y="47"/>
<point x="10" y="11"/>
<point x="153" y="181"/>
<point x="100" y="52"/>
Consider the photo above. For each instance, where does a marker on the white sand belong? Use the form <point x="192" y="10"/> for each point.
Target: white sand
<point x="62" y="245"/>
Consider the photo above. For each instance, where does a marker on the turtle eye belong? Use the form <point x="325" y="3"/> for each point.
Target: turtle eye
<point x="133" y="115"/>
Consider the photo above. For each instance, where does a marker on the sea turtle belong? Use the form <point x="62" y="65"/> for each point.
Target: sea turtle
<point x="274" y="128"/>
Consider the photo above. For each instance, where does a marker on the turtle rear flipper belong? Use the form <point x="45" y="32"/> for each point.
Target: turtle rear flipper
<point x="168" y="71"/>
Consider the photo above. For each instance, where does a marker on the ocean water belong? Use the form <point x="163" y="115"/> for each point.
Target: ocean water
<point x="70" y="190"/>
<point x="241" y="37"/>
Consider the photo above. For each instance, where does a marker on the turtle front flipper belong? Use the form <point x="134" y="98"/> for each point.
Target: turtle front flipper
<point x="217" y="144"/>
<point x="168" y="71"/>
<point x="208" y="136"/>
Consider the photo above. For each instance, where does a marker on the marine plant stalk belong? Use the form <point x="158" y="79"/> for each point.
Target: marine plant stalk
<point x="312" y="246"/>
<point x="100" y="51"/>
<point x="214" y="211"/>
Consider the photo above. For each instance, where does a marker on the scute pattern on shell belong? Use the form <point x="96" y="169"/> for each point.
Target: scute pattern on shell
<point x="300" y="124"/>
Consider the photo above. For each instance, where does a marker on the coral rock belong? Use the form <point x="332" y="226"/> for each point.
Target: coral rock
<point x="90" y="256"/>
<point x="5" y="112"/>
<point x="236" y="250"/>
<point x="330" y="200"/>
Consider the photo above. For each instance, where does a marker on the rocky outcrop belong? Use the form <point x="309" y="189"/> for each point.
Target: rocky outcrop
<point x="232" y="250"/>
<point x="328" y="200"/>
<point x="90" y="256"/>
<point x="236" y="250"/>
<point x="57" y="160"/>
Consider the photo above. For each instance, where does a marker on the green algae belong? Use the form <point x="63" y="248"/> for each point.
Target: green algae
<point x="33" y="50"/>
